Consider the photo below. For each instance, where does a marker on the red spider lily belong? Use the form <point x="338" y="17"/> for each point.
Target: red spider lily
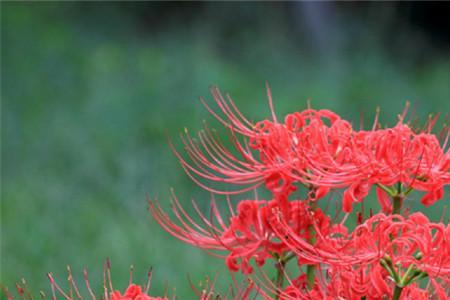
<point x="248" y="234"/>
<point x="269" y="149"/>
<point x="267" y="152"/>
<point x="345" y="285"/>
<point x="321" y="150"/>
<point x="312" y="146"/>
<point x="245" y="291"/>
<point x="406" y="241"/>
<point x="339" y="148"/>
<point x="385" y="257"/>
<point x="133" y="291"/>
<point x="380" y="254"/>
<point x="410" y="241"/>
<point x="381" y="258"/>
<point x="398" y="155"/>
<point x="337" y="156"/>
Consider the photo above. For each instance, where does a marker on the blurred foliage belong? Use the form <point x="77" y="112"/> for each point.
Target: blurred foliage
<point x="91" y="91"/>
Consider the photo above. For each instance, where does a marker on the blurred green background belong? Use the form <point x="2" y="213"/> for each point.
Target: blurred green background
<point x="91" y="91"/>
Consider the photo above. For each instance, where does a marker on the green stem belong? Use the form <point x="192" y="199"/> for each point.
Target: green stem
<point x="280" y="276"/>
<point x="311" y="269"/>
<point x="397" y="292"/>
<point x="310" y="275"/>
<point x="398" y="198"/>
<point x="398" y="202"/>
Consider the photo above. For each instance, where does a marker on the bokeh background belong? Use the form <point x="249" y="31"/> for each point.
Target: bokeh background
<point x="91" y="91"/>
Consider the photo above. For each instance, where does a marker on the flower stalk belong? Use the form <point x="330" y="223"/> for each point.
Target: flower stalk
<point x="279" y="281"/>
<point x="397" y="292"/>
<point x="311" y="269"/>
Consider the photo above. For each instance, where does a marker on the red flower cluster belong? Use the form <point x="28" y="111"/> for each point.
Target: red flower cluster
<point x="133" y="291"/>
<point x="392" y="254"/>
<point x="377" y="255"/>
<point x="245" y="290"/>
<point x="320" y="149"/>
<point x="389" y="255"/>
<point x="250" y="232"/>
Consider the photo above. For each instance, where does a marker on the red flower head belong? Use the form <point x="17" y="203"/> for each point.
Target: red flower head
<point x="133" y="291"/>
<point x="351" y="285"/>
<point x="320" y="150"/>
<point x="378" y="256"/>
<point x="398" y="155"/>
<point x="250" y="232"/>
